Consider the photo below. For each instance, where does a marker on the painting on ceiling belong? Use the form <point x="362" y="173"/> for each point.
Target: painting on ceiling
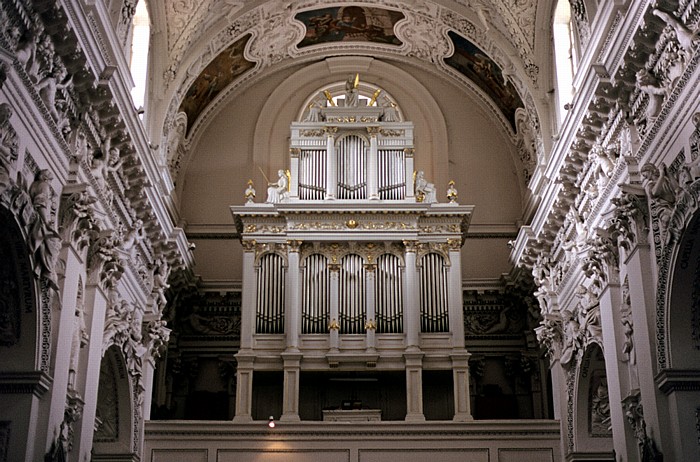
<point x="349" y="23"/>
<point x="469" y="60"/>
<point x="218" y="74"/>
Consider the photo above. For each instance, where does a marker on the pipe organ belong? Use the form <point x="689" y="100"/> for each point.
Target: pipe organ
<point x="346" y="270"/>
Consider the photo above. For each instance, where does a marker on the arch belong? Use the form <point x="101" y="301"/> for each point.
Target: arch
<point x="114" y="434"/>
<point x="417" y="104"/>
<point x="683" y="309"/>
<point x="20" y="316"/>
<point x="591" y="419"/>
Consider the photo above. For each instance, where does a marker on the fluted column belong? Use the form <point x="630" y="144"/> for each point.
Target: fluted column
<point x="411" y="305"/>
<point x="293" y="293"/>
<point x="331" y="164"/>
<point x="372" y="164"/>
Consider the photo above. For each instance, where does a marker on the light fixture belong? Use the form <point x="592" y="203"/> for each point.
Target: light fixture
<point x="271" y="422"/>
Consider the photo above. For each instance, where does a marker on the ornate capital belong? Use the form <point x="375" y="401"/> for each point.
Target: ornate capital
<point x="330" y="131"/>
<point x="294" y="152"/>
<point x="249" y="246"/>
<point x="630" y="221"/>
<point x="373" y="131"/>
<point x="294" y="245"/>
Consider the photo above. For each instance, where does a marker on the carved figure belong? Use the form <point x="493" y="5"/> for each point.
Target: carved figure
<point x="425" y="191"/>
<point x="391" y="114"/>
<point x="249" y="192"/>
<point x="589" y="315"/>
<point x="117" y="324"/>
<point x="80" y="339"/>
<point x="647" y="83"/>
<point x="572" y="342"/>
<point x="161" y="272"/>
<point x="661" y="188"/>
<point x="9" y="146"/>
<point x="277" y="192"/>
<point x="686" y="37"/>
<point x="451" y="192"/>
<point x="133" y="236"/>
<point x="314" y="114"/>
<point x="351" y="92"/>
<point x="26" y="49"/>
<point x="56" y="79"/>
<point x="45" y="241"/>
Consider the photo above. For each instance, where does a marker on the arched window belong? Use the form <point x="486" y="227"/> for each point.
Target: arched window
<point x="138" y="55"/>
<point x="564" y="57"/>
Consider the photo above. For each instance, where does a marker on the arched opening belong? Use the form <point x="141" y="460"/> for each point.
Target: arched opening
<point x="683" y="311"/>
<point x="592" y="406"/>
<point x="113" y="421"/>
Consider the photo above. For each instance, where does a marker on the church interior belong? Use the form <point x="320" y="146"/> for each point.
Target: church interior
<point x="303" y="230"/>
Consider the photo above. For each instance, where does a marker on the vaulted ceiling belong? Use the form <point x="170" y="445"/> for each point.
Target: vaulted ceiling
<point x="227" y="77"/>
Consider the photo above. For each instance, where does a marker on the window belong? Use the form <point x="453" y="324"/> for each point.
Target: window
<point x="564" y="56"/>
<point x="139" y="53"/>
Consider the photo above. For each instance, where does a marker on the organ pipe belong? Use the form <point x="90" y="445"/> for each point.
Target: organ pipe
<point x="433" y="294"/>
<point x="388" y="295"/>
<point x="270" y="295"/>
<point x="315" y="295"/>
<point x="351" y="295"/>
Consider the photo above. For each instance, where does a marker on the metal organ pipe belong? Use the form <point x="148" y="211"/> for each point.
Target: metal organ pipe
<point x="388" y="295"/>
<point x="433" y="294"/>
<point x="270" y="295"/>
<point x="312" y="174"/>
<point x="351" y="295"/>
<point x="351" y="167"/>
<point x="315" y="295"/>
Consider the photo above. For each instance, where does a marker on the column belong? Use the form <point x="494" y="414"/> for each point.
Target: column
<point x="62" y="345"/>
<point x="372" y="164"/>
<point x="248" y="296"/>
<point x="334" y="326"/>
<point x="371" y="317"/>
<point x="460" y="378"/>
<point x="643" y="301"/>
<point x="331" y="164"/>
<point x="411" y="306"/>
<point x="618" y="385"/>
<point x="454" y="291"/>
<point x="244" y="388"/>
<point x="293" y="302"/>
<point x="408" y="153"/>
<point x="290" y="404"/>
<point x="95" y="310"/>
<point x="414" y="386"/>
<point x="294" y="172"/>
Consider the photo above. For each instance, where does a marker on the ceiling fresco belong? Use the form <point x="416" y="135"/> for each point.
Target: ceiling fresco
<point x="350" y="23"/>
<point x="224" y="69"/>
<point x="474" y="64"/>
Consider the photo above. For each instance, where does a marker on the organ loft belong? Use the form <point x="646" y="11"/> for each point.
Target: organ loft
<point x="352" y="295"/>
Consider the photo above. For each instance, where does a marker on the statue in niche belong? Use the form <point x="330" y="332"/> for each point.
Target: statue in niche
<point x="278" y="191"/>
<point x="600" y="409"/>
<point x="352" y="95"/>
<point x="425" y="191"/>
